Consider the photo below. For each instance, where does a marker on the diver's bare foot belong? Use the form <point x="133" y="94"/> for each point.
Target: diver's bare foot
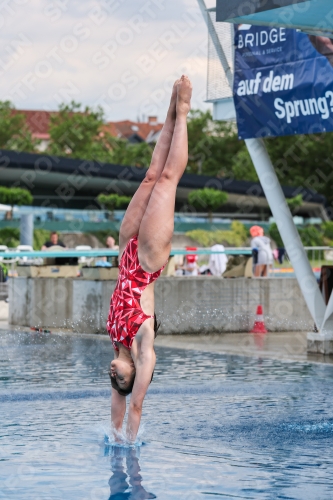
<point x="184" y="93"/>
<point x="173" y="100"/>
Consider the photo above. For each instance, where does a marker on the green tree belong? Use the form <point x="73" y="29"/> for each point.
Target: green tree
<point x="304" y="161"/>
<point x="311" y="236"/>
<point x="242" y="167"/>
<point x="236" y="236"/>
<point x="10" y="236"/>
<point x="295" y="203"/>
<point x="15" y="196"/>
<point x="274" y="233"/>
<point x="113" y="201"/>
<point x="79" y="132"/>
<point x="14" y="133"/>
<point x="328" y="231"/>
<point x="76" y="131"/>
<point x="212" y="145"/>
<point x="207" y="199"/>
<point x="40" y="236"/>
<point x="124" y="153"/>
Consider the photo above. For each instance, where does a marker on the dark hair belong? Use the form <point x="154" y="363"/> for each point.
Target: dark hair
<point x="128" y="390"/>
<point x="122" y="392"/>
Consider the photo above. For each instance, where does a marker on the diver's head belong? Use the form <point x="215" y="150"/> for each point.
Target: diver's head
<point x="122" y="375"/>
<point x="122" y="371"/>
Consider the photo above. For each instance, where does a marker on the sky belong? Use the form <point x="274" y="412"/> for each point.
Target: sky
<point x="122" y="55"/>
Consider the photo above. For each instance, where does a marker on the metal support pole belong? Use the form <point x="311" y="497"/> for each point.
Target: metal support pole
<point x="292" y="242"/>
<point x="27" y="229"/>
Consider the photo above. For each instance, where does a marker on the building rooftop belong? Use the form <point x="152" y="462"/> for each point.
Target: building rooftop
<point x="38" y="122"/>
<point x="127" y="129"/>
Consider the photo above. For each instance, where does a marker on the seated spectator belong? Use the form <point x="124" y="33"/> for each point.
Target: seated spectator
<point x="217" y="261"/>
<point x="54" y="241"/>
<point x="111" y="243"/>
<point x="189" y="267"/>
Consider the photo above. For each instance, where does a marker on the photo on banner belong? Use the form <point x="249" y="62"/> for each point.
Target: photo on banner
<point x="283" y="82"/>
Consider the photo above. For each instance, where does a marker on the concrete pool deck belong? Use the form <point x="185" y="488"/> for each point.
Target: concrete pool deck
<point x="275" y="345"/>
<point x="290" y="346"/>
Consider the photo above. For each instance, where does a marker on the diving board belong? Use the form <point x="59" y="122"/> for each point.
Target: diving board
<point x="312" y="16"/>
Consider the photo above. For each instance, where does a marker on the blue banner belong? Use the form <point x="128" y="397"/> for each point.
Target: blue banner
<point x="283" y="83"/>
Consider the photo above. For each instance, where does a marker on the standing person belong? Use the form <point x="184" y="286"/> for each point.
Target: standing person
<point x="261" y="244"/>
<point x="144" y="247"/>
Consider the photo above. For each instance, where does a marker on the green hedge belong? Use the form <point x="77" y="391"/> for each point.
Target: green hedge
<point x="10" y="236"/>
<point x="311" y="236"/>
<point x="235" y="237"/>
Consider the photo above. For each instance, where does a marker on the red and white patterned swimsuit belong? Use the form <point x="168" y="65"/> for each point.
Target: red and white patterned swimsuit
<point x="126" y="315"/>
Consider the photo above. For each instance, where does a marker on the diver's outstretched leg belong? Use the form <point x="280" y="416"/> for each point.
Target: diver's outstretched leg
<point x="157" y="224"/>
<point x="137" y="207"/>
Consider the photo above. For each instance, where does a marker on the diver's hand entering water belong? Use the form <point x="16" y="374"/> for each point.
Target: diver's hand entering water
<point x="133" y="422"/>
<point x="144" y="369"/>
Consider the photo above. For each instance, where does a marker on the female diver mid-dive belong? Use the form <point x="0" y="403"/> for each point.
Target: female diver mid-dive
<point x="144" y="247"/>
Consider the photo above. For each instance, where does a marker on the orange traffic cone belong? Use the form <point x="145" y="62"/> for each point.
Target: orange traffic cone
<point x="259" y="324"/>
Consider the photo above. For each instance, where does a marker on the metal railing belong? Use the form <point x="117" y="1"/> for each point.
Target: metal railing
<point x="317" y="256"/>
<point x="100" y="252"/>
<point x="319" y="253"/>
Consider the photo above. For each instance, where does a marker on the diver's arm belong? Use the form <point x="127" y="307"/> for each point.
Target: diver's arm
<point x="144" y="369"/>
<point x="118" y="410"/>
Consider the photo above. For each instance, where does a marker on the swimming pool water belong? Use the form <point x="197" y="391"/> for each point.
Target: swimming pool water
<point x="215" y="426"/>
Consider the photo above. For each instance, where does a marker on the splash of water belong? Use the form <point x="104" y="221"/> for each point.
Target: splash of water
<point x="312" y="427"/>
<point x="116" y="439"/>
